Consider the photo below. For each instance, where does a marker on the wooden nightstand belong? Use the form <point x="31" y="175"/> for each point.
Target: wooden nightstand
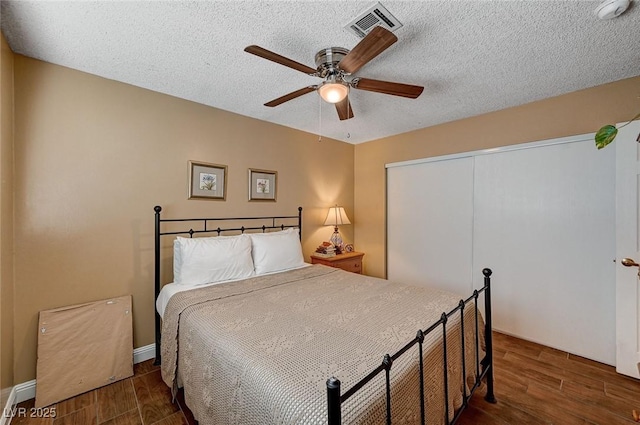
<point x="349" y="261"/>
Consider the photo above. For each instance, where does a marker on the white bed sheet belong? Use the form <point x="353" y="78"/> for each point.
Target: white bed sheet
<point x="170" y="289"/>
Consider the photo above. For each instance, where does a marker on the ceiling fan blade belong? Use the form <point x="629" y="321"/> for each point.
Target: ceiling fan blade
<point x="374" y="43"/>
<point x="290" y="96"/>
<point x="386" y="87"/>
<point x="344" y="109"/>
<point x="274" y="57"/>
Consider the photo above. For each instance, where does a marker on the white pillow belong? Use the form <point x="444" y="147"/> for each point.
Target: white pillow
<point x="276" y="251"/>
<point x="210" y="260"/>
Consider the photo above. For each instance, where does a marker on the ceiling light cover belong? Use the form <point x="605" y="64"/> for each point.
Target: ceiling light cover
<point x="333" y="92"/>
<point x="610" y="9"/>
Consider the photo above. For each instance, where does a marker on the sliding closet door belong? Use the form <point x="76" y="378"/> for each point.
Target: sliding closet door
<point x="544" y="220"/>
<point x="429" y="224"/>
<point x="541" y="215"/>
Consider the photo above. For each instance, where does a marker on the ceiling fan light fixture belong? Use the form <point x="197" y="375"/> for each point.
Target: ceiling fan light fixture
<point x="333" y="92"/>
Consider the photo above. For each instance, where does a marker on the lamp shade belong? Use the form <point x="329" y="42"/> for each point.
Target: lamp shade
<point x="336" y="217"/>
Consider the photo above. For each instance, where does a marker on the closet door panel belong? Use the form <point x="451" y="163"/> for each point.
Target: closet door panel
<point x="429" y="224"/>
<point x="544" y="220"/>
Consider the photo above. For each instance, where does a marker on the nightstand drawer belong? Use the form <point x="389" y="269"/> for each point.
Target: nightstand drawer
<point x="351" y="265"/>
<point x="350" y="261"/>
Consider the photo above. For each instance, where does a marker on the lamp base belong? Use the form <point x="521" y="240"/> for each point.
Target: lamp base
<point x="336" y="240"/>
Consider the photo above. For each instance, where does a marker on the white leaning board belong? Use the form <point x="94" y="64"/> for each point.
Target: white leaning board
<point x="542" y="217"/>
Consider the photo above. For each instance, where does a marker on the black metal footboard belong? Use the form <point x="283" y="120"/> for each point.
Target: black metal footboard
<point x="483" y="367"/>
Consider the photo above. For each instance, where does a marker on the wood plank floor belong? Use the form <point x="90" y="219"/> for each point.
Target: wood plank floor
<point x="534" y="384"/>
<point x="143" y="399"/>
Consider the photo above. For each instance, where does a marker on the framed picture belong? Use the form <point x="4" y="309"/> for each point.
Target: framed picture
<point x="263" y="185"/>
<point x="207" y="181"/>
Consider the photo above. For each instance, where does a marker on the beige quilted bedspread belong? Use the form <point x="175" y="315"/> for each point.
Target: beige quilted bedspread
<point x="259" y="351"/>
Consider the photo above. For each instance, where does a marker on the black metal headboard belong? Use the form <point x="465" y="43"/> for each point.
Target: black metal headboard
<point x="270" y="223"/>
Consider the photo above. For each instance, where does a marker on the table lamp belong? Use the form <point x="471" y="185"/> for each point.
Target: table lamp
<point x="335" y="217"/>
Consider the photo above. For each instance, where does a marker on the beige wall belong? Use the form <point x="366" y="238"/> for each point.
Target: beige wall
<point x="6" y="219"/>
<point x="93" y="157"/>
<point x="576" y="113"/>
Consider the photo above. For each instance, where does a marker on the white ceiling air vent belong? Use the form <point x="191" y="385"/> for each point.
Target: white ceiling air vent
<point x="375" y="16"/>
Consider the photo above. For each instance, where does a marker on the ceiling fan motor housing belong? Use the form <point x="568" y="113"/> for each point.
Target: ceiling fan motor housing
<point x="327" y="60"/>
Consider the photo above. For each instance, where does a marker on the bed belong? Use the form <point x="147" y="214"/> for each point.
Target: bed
<point x="277" y="341"/>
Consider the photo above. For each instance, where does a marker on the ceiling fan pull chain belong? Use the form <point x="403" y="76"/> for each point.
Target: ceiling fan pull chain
<point x="319" y="119"/>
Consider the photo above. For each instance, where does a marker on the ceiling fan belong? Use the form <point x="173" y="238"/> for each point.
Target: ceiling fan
<point x="335" y="64"/>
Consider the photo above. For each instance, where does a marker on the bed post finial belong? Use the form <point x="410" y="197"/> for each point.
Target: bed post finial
<point x="333" y="401"/>
<point x="157" y="209"/>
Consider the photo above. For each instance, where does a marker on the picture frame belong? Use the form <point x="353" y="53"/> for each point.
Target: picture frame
<point x="263" y="185"/>
<point x="207" y="181"/>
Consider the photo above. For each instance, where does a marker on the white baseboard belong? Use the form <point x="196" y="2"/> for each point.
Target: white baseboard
<point x="145" y="353"/>
<point x="11" y="401"/>
<point x="27" y="390"/>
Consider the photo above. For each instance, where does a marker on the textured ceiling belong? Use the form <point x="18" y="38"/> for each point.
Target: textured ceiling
<point x="472" y="57"/>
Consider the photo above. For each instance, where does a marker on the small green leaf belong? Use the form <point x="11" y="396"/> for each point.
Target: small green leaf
<point x="605" y="135"/>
